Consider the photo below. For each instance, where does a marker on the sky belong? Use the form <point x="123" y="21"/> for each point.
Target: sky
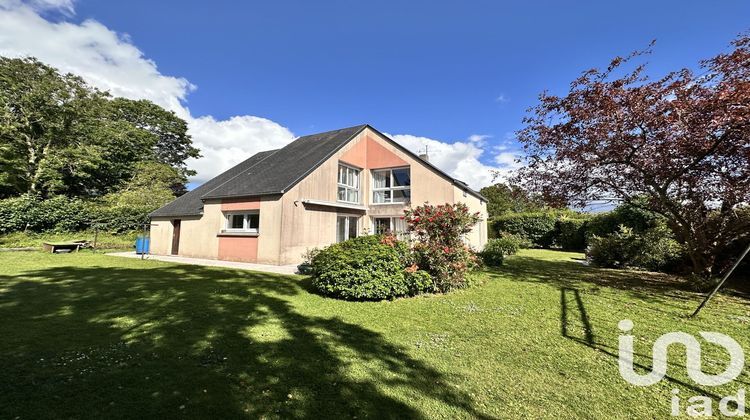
<point x="456" y="76"/>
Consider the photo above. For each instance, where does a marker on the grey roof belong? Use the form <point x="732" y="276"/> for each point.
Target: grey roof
<point x="191" y="204"/>
<point x="286" y="167"/>
<point x="276" y="171"/>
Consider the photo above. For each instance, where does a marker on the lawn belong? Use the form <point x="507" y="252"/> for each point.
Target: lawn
<point x="93" y="336"/>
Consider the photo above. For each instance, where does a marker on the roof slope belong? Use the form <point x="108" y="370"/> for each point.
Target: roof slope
<point x="276" y="171"/>
<point x="286" y="167"/>
<point x="191" y="204"/>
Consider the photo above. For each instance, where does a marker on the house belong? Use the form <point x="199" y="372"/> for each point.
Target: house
<point x="315" y="191"/>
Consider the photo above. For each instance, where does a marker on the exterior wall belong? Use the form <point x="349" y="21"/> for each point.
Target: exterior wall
<point x="305" y="226"/>
<point x="161" y="236"/>
<point x="198" y="234"/>
<point x="477" y="238"/>
<point x="239" y="248"/>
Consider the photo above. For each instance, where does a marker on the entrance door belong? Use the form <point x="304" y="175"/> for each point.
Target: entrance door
<point x="176" y="236"/>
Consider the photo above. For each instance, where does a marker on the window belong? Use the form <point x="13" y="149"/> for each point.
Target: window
<point x="346" y="227"/>
<point x="395" y="225"/>
<point x="391" y="186"/>
<point x="348" y="184"/>
<point x="243" y="222"/>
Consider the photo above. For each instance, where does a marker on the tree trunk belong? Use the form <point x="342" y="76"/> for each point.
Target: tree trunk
<point x="702" y="264"/>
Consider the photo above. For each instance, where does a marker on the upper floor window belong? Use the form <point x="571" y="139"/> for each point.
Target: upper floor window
<point x="391" y="186"/>
<point x="242" y="222"/>
<point x="348" y="184"/>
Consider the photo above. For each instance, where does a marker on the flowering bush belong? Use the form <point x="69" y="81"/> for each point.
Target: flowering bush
<point x="368" y="268"/>
<point x="439" y="247"/>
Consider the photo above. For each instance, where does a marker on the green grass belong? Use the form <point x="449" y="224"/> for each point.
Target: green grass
<point x="104" y="240"/>
<point x="93" y="336"/>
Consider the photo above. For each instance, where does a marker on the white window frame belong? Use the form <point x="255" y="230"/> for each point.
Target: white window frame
<point x="348" y="187"/>
<point x="375" y="190"/>
<point x="245" y="221"/>
<point x="347" y="218"/>
<point x="391" y="224"/>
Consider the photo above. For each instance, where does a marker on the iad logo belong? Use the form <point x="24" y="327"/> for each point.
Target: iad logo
<point x="702" y="405"/>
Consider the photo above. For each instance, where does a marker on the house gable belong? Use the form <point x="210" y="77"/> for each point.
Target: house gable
<point x="368" y="153"/>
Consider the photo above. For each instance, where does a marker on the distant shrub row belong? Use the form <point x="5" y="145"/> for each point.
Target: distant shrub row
<point x="62" y="214"/>
<point x="624" y="237"/>
<point x="565" y="230"/>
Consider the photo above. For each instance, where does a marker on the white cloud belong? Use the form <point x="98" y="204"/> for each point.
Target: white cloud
<point x="478" y="138"/>
<point x="502" y="98"/>
<point x="459" y="159"/>
<point x="508" y="159"/>
<point x="110" y="61"/>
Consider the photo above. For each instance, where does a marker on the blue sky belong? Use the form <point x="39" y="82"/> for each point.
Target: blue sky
<point x="424" y="70"/>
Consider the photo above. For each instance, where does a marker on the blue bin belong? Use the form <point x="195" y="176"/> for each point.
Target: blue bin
<point x="142" y="245"/>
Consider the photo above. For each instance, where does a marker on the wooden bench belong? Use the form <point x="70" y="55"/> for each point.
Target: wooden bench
<point x="65" y="246"/>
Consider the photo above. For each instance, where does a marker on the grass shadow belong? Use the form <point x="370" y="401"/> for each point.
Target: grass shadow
<point x="189" y="341"/>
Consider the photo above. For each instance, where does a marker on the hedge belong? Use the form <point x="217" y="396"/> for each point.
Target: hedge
<point x="538" y="227"/>
<point x="63" y="214"/>
<point x="560" y="229"/>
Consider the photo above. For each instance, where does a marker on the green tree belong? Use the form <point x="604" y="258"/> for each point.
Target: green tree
<point x="61" y="136"/>
<point x="169" y="139"/>
<point x="503" y="198"/>
<point x="44" y="119"/>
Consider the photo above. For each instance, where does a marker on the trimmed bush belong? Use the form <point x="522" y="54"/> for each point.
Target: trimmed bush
<point x="419" y="281"/>
<point x="538" y="228"/>
<point x="570" y="233"/>
<point x="654" y="250"/>
<point x="29" y="213"/>
<point x="497" y="249"/>
<point x="365" y="268"/>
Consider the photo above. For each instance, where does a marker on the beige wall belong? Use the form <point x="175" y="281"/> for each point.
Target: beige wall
<point x="161" y="236"/>
<point x="288" y="227"/>
<point x="477" y="238"/>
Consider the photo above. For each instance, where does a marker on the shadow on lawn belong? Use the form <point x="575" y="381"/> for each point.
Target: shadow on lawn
<point x="188" y="341"/>
<point x="589" y="340"/>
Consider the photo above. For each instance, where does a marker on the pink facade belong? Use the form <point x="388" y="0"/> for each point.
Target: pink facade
<point x="239" y="248"/>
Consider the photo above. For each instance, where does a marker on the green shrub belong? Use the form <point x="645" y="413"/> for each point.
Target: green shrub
<point x="419" y="281"/>
<point x="538" y="228"/>
<point x="439" y="247"/>
<point x="627" y="215"/>
<point x="570" y="233"/>
<point x="497" y="249"/>
<point x="362" y="268"/>
<point x="654" y="250"/>
<point x="29" y="213"/>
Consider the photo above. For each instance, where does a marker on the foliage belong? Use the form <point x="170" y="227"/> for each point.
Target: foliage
<point x="626" y="214"/>
<point x="27" y="212"/>
<point x="654" y="250"/>
<point x="104" y="239"/>
<point x="439" y="247"/>
<point x="536" y="227"/>
<point x="366" y="268"/>
<point x="121" y="211"/>
<point x="503" y="198"/>
<point x="570" y="233"/>
<point x="497" y="249"/>
<point x="681" y="143"/>
<point x="60" y="136"/>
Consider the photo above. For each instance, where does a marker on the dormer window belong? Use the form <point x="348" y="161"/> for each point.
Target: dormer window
<point x="391" y="186"/>
<point x="348" y="184"/>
